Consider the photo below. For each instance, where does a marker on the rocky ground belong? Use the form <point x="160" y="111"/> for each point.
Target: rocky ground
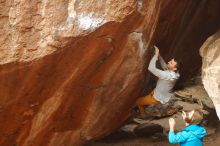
<point x="210" y="141"/>
<point x="151" y="129"/>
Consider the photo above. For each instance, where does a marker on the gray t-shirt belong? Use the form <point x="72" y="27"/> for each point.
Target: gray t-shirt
<point x="166" y="82"/>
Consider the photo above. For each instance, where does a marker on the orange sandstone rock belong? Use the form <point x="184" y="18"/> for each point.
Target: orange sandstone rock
<point x="71" y="69"/>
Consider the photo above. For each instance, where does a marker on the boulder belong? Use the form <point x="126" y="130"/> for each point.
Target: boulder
<point x="161" y="110"/>
<point x="148" y="129"/>
<point x="210" y="52"/>
<point x="71" y="69"/>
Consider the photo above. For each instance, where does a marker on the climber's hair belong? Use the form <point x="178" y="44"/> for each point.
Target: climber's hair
<point x="196" y="118"/>
<point x="178" y="65"/>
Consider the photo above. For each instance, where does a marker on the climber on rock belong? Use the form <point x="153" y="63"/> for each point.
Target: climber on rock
<point x="167" y="80"/>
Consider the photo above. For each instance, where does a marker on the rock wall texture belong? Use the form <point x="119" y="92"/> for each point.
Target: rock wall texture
<point x="71" y="69"/>
<point x="210" y="52"/>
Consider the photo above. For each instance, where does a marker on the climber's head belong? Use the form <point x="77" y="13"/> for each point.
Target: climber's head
<point x="193" y="117"/>
<point x="173" y="65"/>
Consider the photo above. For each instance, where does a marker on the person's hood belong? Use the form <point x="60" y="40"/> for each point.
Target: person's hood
<point x="197" y="130"/>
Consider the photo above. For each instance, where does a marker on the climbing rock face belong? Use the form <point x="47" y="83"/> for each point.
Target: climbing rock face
<point x="71" y="69"/>
<point x="210" y="52"/>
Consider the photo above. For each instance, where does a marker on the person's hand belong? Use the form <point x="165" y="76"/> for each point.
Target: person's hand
<point x="172" y="123"/>
<point x="156" y="51"/>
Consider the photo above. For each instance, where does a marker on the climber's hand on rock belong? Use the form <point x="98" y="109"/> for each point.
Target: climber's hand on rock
<point x="172" y="123"/>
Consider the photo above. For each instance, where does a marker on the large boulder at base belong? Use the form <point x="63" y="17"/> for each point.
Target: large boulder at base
<point x="148" y="129"/>
<point x="71" y="69"/>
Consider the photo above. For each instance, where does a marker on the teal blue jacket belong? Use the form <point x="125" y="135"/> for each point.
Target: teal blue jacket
<point x="191" y="135"/>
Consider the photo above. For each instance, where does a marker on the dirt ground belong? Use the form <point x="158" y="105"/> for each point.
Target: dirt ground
<point x="212" y="140"/>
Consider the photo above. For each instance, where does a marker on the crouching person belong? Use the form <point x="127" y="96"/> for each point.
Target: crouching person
<point x="192" y="134"/>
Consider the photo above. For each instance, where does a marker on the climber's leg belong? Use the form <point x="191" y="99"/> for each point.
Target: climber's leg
<point x="146" y="100"/>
